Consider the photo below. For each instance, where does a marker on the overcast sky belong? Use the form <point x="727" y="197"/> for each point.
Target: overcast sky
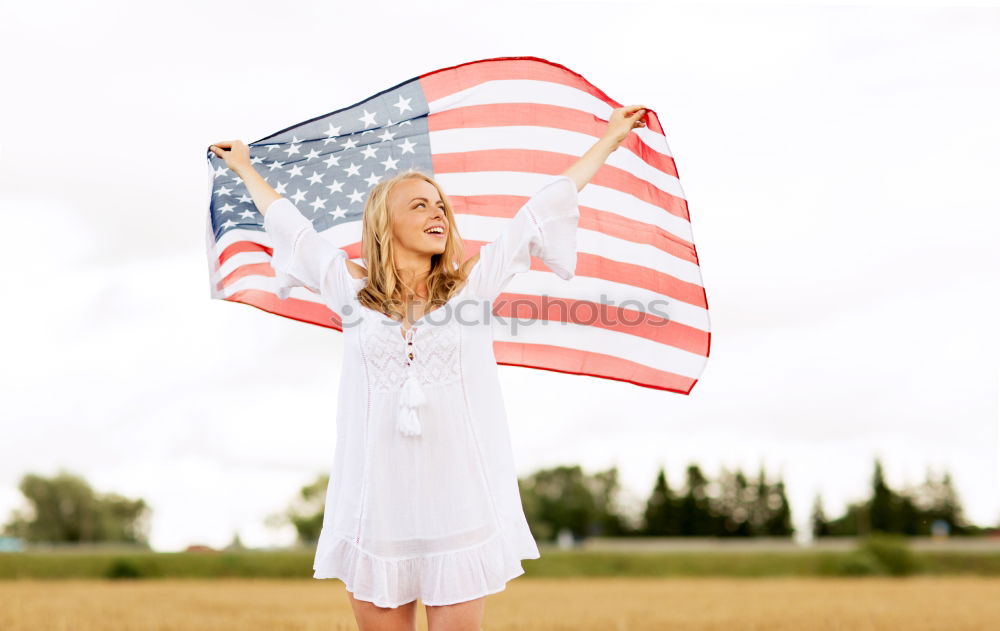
<point x="840" y="166"/>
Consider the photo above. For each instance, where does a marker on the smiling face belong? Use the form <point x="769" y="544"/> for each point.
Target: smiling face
<point x="404" y="260"/>
<point x="416" y="209"/>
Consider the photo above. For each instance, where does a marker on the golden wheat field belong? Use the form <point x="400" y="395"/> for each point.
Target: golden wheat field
<point x="531" y="604"/>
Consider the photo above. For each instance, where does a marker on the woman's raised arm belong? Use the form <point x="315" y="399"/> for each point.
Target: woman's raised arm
<point x="300" y="256"/>
<point x="236" y="155"/>
<point x="546" y="225"/>
<point x="623" y="121"/>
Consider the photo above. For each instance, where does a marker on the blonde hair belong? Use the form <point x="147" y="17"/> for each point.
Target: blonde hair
<point x="384" y="290"/>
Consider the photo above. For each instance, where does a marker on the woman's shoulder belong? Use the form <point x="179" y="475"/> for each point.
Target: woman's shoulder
<point x="469" y="264"/>
<point x="356" y="271"/>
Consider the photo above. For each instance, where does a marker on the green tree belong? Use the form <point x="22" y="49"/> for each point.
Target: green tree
<point x="852" y="523"/>
<point x="65" y="509"/>
<point x="909" y="512"/>
<point x="695" y="516"/>
<point x="557" y="498"/>
<point x="909" y="518"/>
<point x="745" y="509"/>
<point x="608" y="520"/>
<point x="730" y="507"/>
<point x="778" y="512"/>
<point x="661" y="517"/>
<point x="883" y="513"/>
<point x="820" y="525"/>
<point x="943" y="503"/>
<point x="305" y="511"/>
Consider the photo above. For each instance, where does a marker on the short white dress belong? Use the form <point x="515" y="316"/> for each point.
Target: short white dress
<point x="423" y="500"/>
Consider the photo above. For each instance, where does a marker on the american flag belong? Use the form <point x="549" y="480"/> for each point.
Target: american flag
<point x="492" y="132"/>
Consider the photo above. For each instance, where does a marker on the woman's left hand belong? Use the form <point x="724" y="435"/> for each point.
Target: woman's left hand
<point x="623" y="121"/>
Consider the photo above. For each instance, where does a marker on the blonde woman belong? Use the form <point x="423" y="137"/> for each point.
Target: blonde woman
<point x="423" y="499"/>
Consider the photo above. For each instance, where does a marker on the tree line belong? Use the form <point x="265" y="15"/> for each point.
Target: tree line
<point x="732" y="505"/>
<point x="64" y="508"/>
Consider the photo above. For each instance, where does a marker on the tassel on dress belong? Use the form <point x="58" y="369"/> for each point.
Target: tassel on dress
<point x="412" y="397"/>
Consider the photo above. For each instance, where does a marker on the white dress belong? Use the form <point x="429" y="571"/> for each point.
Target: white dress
<point x="423" y="499"/>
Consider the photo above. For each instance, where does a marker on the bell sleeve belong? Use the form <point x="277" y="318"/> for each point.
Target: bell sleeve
<point x="301" y="257"/>
<point x="544" y="227"/>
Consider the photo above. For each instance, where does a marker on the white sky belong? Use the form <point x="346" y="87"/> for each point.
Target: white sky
<point x="840" y="165"/>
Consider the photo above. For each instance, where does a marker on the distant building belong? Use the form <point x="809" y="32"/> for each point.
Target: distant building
<point x="940" y="529"/>
<point x="11" y="544"/>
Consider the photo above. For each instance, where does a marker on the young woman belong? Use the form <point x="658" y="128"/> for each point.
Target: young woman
<point x="423" y="500"/>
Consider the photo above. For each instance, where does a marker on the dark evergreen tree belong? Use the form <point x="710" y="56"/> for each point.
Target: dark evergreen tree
<point x="820" y="526"/>
<point x="695" y="516"/>
<point x="911" y="520"/>
<point x="760" y="504"/>
<point x="779" y="518"/>
<point x="730" y="507"/>
<point x="910" y="512"/>
<point x="882" y="516"/>
<point x="660" y="519"/>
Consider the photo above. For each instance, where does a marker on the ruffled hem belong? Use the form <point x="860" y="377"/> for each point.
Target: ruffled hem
<point x="439" y="579"/>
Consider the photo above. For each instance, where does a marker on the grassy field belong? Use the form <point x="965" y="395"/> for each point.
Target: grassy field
<point x="881" y="559"/>
<point x="915" y="603"/>
<point x="879" y="583"/>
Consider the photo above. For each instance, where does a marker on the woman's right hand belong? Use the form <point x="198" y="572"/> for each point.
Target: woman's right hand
<point x="623" y="120"/>
<point x="235" y="153"/>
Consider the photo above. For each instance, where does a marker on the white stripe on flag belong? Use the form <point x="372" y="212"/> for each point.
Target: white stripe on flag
<point x="544" y="93"/>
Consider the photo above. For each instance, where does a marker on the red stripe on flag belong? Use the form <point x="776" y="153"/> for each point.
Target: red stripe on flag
<point x="301" y="310"/>
<point x="517" y="160"/>
<point x="263" y="268"/>
<point x="249" y="269"/>
<point x="577" y="362"/>
<point x="543" y="115"/>
<point x="608" y="317"/>
<point x="240" y="247"/>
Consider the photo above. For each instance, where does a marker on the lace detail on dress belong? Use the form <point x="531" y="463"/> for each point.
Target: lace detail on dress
<point x="436" y="355"/>
<point x="434" y="347"/>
